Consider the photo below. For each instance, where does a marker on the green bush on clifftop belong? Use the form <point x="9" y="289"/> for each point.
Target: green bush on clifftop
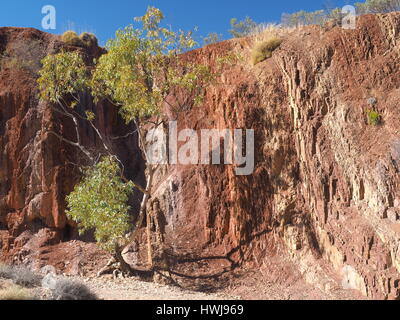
<point x="89" y="39"/>
<point x="70" y="37"/>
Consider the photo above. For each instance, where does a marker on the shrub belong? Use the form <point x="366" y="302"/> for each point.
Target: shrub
<point x="6" y="271"/>
<point x="212" y="38"/>
<point x="263" y="50"/>
<point x="20" y="275"/>
<point x="15" y="294"/>
<point x="66" y="289"/>
<point x="374" y="118"/>
<point x="71" y="38"/>
<point x="26" y="278"/>
<point x="89" y="39"/>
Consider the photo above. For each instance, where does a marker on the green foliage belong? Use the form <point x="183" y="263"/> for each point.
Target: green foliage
<point x="90" y="116"/>
<point x="242" y="28"/>
<point x="335" y="15"/>
<point x="212" y="38"/>
<point x="142" y="66"/>
<point x="361" y="8"/>
<point x="99" y="202"/>
<point x="303" y="18"/>
<point x="62" y="74"/>
<point x="70" y="37"/>
<point x="320" y="17"/>
<point x="89" y="39"/>
<point x="377" y="6"/>
<point x="374" y="118"/>
<point x="263" y="50"/>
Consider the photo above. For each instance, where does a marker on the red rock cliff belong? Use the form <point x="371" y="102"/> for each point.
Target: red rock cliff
<point x="326" y="184"/>
<point x="37" y="169"/>
<point x="325" y="188"/>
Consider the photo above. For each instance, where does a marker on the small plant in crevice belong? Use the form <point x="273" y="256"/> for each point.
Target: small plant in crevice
<point x="374" y="117"/>
<point x="263" y="50"/>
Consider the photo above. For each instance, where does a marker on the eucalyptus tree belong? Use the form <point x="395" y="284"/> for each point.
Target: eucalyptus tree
<point x="142" y="69"/>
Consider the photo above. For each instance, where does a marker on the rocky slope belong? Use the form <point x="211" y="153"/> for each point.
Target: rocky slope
<point x="325" y="189"/>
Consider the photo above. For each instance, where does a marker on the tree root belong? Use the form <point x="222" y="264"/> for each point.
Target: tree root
<point x="108" y="268"/>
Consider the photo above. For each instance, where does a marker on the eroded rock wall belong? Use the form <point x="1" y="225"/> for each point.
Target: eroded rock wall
<point x="325" y="181"/>
<point x="37" y="169"/>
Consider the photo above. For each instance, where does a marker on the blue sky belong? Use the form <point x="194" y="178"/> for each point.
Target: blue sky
<point x="104" y="17"/>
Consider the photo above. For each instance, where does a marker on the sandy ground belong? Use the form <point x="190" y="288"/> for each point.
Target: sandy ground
<point x="133" y="289"/>
<point x="249" y="288"/>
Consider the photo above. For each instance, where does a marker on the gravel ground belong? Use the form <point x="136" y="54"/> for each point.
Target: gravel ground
<point x="133" y="289"/>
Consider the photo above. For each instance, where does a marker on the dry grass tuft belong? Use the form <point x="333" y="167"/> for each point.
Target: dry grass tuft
<point x="263" y="50"/>
<point x="265" y="31"/>
<point x="263" y="40"/>
<point x="15" y="294"/>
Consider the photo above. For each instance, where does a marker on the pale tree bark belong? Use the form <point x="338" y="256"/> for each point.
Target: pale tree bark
<point x="147" y="190"/>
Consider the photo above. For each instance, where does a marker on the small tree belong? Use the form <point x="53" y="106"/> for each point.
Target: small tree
<point x="212" y="38"/>
<point x="377" y="6"/>
<point x="242" y="28"/>
<point x="141" y="69"/>
<point x="303" y="18"/>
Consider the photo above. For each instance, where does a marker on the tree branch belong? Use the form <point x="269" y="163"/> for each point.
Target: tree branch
<point x="75" y="144"/>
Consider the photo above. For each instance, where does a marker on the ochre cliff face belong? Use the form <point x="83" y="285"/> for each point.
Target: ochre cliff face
<point x="325" y="187"/>
<point x="325" y="181"/>
<point x="349" y="170"/>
